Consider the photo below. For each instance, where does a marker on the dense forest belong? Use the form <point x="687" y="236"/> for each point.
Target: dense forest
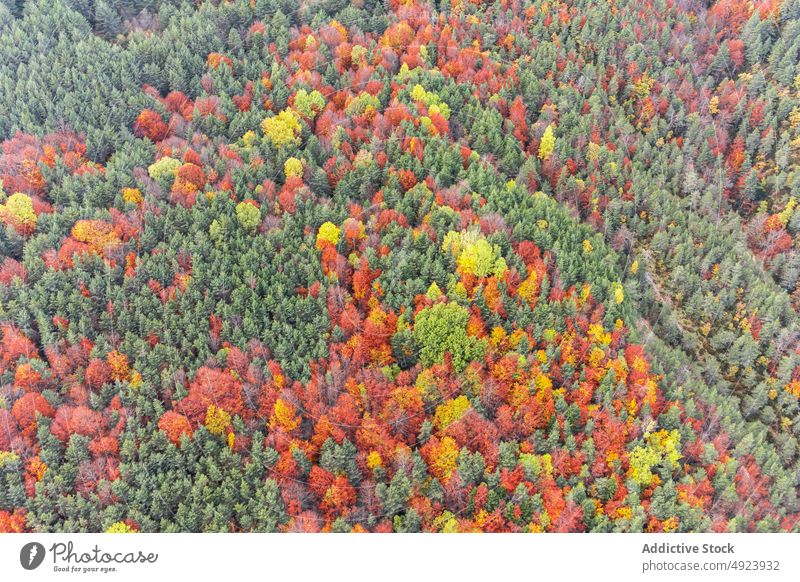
<point x="400" y="265"/>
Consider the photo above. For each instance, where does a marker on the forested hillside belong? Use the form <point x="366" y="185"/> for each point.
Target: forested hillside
<point x="511" y="266"/>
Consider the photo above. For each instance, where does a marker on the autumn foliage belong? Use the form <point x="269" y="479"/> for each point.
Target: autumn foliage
<point x="474" y="269"/>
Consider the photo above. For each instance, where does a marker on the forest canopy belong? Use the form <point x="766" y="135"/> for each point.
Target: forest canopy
<point x="400" y="266"/>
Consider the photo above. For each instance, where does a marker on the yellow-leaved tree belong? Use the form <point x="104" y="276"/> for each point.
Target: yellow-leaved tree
<point x="120" y="527"/>
<point x="547" y="144"/>
<point x="218" y="421"/>
<point x="282" y="129"/>
<point x="661" y="448"/>
<point x="474" y="254"/>
<point x="328" y="233"/>
<point x="284" y="416"/>
<point x="293" y="167"/>
<point x="248" y="215"/>
<point x="18" y="212"/>
<point x="309" y="104"/>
